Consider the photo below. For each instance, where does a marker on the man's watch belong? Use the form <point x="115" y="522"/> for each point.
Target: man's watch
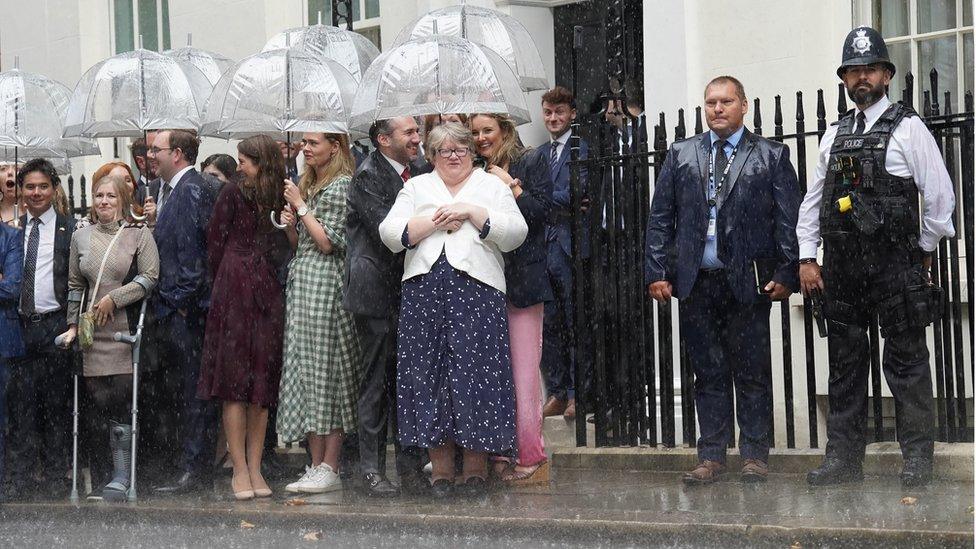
<point x="302" y="212"/>
<point x="806" y="260"/>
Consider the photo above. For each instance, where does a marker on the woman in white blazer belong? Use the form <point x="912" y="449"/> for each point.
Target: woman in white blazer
<point x="454" y="373"/>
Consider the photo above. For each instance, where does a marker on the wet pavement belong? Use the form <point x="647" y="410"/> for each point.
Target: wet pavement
<point x="581" y="508"/>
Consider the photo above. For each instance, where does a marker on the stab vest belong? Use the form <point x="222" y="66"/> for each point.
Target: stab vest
<point x="883" y="208"/>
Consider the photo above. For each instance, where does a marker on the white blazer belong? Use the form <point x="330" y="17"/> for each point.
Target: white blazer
<point x="465" y="249"/>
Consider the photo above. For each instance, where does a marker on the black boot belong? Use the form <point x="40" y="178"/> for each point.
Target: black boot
<point x="120" y="441"/>
<point x="835" y="470"/>
<point x="916" y="472"/>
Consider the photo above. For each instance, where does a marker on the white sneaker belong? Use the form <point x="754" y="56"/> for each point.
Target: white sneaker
<point x="317" y="480"/>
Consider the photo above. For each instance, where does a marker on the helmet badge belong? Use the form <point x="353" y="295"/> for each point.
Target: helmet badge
<point x="861" y="43"/>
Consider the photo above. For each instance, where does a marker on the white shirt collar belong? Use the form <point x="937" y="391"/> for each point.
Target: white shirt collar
<point x="398" y="167"/>
<point x="562" y="139"/>
<point x="874" y="112"/>
<point x="47" y="218"/>
<point x="179" y="175"/>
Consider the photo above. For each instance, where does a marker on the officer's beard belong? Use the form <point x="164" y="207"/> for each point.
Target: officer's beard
<point x="865" y="97"/>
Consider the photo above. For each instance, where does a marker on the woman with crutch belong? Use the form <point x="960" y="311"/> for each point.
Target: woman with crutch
<point x="113" y="265"/>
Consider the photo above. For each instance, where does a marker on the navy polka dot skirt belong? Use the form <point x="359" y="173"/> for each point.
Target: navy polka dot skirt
<point x="454" y="368"/>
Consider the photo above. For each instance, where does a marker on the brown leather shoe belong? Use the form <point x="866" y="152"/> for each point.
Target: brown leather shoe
<point x="570" y="412"/>
<point x="754" y="470"/>
<point x="706" y="472"/>
<point x="553" y="407"/>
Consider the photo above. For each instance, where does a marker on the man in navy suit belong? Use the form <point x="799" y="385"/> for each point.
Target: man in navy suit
<point x="559" y="112"/>
<point x="183" y="208"/>
<point x="11" y="342"/>
<point x="40" y="384"/>
<point x="726" y="201"/>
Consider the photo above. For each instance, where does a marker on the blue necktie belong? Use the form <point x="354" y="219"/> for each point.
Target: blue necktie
<point x="30" y="266"/>
<point x="553" y="156"/>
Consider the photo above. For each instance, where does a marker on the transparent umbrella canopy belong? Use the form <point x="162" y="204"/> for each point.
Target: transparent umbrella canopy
<point x="32" y="108"/>
<point x="133" y="92"/>
<point x="497" y="31"/>
<point x="279" y="92"/>
<point x="211" y="64"/>
<point x="437" y="75"/>
<point x="352" y="50"/>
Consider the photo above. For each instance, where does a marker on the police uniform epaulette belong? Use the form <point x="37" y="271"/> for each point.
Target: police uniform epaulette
<point x="850" y="112"/>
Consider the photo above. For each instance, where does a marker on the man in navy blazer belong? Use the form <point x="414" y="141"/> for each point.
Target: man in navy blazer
<point x="11" y="342"/>
<point x="722" y="219"/>
<point x="183" y="208"/>
<point x="559" y="112"/>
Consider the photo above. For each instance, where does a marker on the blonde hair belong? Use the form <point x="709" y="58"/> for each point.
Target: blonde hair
<point x="509" y="150"/>
<point x="122" y="189"/>
<point x="340" y="164"/>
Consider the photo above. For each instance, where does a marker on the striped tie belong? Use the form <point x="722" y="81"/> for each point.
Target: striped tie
<point x="553" y="156"/>
<point x="30" y="266"/>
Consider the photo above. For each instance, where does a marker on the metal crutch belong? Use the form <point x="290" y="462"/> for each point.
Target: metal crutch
<point x="74" y="421"/>
<point x="136" y="341"/>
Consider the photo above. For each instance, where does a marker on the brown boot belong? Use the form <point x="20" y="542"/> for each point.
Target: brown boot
<point x="706" y="472"/>
<point x="553" y="407"/>
<point x="570" y="412"/>
<point x="754" y="470"/>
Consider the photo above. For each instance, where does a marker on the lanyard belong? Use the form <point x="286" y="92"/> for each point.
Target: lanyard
<point x="725" y="173"/>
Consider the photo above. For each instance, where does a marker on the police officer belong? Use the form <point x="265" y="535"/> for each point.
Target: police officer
<point x="874" y="164"/>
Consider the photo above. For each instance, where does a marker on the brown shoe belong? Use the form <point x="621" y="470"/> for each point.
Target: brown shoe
<point x="553" y="407"/>
<point x="706" y="472"/>
<point x="754" y="470"/>
<point x="570" y="412"/>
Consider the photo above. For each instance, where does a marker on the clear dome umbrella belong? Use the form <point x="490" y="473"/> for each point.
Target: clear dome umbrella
<point x="211" y="64"/>
<point x="352" y="50"/>
<point x="133" y="92"/>
<point x="32" y="107"/>
<point x="497" y="31"/>
<point x="280" y="92"/>
<point x="437" y="75"/>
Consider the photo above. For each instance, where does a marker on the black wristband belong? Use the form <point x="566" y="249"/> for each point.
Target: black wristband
<point x="808" y="260"/>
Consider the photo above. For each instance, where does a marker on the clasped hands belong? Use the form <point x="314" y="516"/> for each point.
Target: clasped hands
<point x="450" y="217"/>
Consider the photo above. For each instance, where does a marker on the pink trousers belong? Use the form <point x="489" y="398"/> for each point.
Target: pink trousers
<point x="525" y="338"/>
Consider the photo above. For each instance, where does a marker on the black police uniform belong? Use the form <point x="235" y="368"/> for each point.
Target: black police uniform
<point x="873" y="265"/>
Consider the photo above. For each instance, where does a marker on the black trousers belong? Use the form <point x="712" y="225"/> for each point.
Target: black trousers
<point x="39" y="404"/>
<point x="857" y="277"/>
<point x="180" y="347"/>
<point x="377" y="397"/>
<point x="728" y="349"/>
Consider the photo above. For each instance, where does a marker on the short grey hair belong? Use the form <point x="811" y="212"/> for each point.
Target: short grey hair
<point x="452" y="131"/>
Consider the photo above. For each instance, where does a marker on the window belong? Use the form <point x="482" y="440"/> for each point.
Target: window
<point x="368" y="26"/>
<point x="150" y="17"/>
<point x="926" y="34"/>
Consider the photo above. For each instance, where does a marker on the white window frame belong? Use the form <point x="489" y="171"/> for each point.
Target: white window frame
<point x="866" y="15"/>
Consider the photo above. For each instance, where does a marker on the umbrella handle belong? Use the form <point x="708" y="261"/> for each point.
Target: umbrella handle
<point x="135" y="216"/>
<point x="274" y="222"/>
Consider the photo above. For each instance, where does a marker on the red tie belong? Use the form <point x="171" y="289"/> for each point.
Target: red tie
<point x="406" y="174"/>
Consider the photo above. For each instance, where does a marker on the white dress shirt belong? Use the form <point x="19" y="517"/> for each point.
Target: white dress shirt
<point x="172" y="187"/>
<point x="911" y="153"/>
<point x="464" y="248"/>
<point x="44" y="298"/>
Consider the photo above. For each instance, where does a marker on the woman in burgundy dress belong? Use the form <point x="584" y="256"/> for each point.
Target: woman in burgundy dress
<point x="242" y="350"/>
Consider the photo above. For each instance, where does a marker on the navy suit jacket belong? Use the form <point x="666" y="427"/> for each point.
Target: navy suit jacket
<point x="12" y="265"/>
<point x="561" y="222"/>
<point x="181" y="238"/>
<point x="526" y="280"/>
<point x="757" y="214"/>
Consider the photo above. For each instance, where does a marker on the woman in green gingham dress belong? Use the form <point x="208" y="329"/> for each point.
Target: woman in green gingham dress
<point x="321" y="376"/>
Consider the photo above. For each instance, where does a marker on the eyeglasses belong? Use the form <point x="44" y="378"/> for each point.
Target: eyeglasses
<point x="157" y="150"/>
<point x="446" y="153"/>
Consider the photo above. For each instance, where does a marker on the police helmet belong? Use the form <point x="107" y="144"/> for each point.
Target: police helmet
<point x="864" y="46"/>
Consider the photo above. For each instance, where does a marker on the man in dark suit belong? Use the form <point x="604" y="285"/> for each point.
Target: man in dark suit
<point x="147" y="171"/>
<point x="11" y="341"/>
<point x="726" y="201"/>
<point x="558" y="357"/>
<point x="39" y="386"/>
<point x="184" y="204"/>
<point x="372" y="294"/>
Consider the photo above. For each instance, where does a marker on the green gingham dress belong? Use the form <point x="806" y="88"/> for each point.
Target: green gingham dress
<point x="322" y="362"/>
